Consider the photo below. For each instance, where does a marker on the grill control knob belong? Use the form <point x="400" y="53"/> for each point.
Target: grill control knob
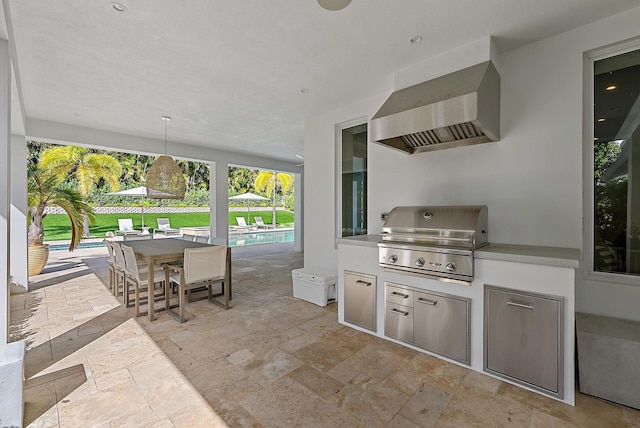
<point x="420" y="262"/>
<point x="451" y="266"/>
<point x="393" y="258"/>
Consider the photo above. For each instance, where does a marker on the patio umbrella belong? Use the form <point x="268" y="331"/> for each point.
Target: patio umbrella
<point x="248" y="197"/>
<point x="139" y="192"/>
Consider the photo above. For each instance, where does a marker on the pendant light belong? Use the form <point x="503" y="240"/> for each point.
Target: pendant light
<point x="165" y="179"/>
<point x="334" y="5"/>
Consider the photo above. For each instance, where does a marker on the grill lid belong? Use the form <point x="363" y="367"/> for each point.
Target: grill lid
<point x="451" y="226"/>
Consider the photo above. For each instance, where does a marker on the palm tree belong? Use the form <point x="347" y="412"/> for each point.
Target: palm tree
<point x="88" y="168"/>
<point x="268" y="181"/>
<point x="45" y="189"/>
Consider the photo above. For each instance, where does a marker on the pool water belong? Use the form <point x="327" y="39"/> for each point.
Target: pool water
<point x="57" y="247"/>
<point x="253" y="238"/>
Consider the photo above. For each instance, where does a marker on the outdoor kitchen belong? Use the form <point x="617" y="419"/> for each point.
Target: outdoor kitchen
<point x="433" y="282"/>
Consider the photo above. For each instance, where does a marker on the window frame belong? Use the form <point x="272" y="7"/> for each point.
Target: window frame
<point x="339" y="127"/>
<point x="588" y="250"/>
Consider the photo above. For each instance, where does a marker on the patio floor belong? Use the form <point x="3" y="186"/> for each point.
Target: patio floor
<point x="271" y="360"/>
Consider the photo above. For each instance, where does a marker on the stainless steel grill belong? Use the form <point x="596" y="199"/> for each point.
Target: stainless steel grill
<point x="433" y="241"/>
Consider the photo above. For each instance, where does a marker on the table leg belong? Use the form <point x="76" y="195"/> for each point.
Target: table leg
<point x="151" y="289"/>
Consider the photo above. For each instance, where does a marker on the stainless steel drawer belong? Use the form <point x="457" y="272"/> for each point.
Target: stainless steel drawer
<point x="398" y="322"/>
<point x="523" y="338"/>
<point x="360" y="300"/>
<point x="441" y="325"/>
<point x="399" y="295"/>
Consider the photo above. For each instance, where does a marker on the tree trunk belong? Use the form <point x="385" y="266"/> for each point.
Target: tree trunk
<point x="86" y="229"/>
<point x="35" y="232"/>
<point x="274" y="210"/>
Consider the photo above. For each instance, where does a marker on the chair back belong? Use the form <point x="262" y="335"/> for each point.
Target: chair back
<point x="241" y="222"/>
<point x="111" y="257"/>
<point x="188" y="237"/>
<point x="163" y="224"/>
<point x="259" y="221"/>
<point x="125" y="225"/>
<point x="137" y="237"/>
<point x="131" y="262"/>
<point x="204" y="263"/>
<point x="204" y="239"/>
<point x="121" y="264"/>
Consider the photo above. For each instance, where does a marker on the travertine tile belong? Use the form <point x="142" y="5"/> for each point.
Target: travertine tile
<point x="370" y="402"/>
<point x="286" y="403"/>
<point x="426" y="405"/>
<point x="479" y="408"/>
<point x="316" y="381"/>
<point x="272" y="360"/>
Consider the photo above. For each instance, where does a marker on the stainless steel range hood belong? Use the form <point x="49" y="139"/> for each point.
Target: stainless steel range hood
<point x="459" y="109"/>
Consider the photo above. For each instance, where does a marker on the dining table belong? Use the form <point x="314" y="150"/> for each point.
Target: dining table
<point x="168" y="250"/>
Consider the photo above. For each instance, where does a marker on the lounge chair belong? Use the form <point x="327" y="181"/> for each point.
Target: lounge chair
<point x="165" y="227"/>
<point x="242" y="225"/>
<point x="125" y="227"/>
<point x="260" y="224"/>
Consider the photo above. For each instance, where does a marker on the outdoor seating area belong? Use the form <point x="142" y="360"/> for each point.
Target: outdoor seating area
<point x="139" y="271"/>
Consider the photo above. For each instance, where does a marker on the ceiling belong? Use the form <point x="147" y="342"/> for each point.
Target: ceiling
<point x="242" y="75"/>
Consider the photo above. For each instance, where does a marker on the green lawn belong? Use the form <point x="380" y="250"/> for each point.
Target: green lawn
<point x="57" y="227"/>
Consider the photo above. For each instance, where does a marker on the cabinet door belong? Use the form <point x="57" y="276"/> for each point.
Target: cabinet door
<point x="398" y="322"/>
<point x="523" y="338"/>
<point x="360" y="300"/>
<point x="441" y="325"/>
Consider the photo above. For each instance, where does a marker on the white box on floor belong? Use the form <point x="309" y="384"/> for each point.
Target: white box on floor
<point x="314" y="285"/>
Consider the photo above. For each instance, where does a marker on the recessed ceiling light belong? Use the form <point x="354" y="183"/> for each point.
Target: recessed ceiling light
<point x="415" y="39"/>
<point x="602" y="119"/>
<point x="595" y="138"/>
<point x="304" y="91"/>
<point x="118" y="7"/>
<point x="611" y="87"/>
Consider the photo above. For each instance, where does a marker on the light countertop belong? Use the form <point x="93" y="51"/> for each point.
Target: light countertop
<point x="530" y="254"/>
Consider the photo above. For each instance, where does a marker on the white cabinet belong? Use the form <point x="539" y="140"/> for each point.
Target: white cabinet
<point x="523" y="338"/>
<point x="360" y="300"/>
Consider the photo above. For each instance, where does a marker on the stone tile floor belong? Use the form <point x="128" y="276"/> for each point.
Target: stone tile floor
<point x="270" y="361"/>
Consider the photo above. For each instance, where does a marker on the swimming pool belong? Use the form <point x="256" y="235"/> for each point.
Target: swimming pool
<point x="58" y="247"/>
<point x="253" y="238"/>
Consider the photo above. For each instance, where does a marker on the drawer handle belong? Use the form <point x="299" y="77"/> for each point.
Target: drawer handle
<point x="520" y="305"/>
<point x="427" y="301"/>
<point x="361" y="282"/>
<point x="398" y="311"/>
<point x="395" y="293"/>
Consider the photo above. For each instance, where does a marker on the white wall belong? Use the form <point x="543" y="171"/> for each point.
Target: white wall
<point x="531" y="179"/>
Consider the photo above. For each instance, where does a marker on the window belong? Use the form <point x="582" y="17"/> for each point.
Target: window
<point x="616" y="163"/>
<point x="353" y="181"/>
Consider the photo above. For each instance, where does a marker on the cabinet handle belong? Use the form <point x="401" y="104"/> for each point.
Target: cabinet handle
<point x="398" y="311"/>
<point x="395" y="293"/>
<point x="520" y="305"/>
<point x="361" y="282"/>
<point x="427" y="301"/>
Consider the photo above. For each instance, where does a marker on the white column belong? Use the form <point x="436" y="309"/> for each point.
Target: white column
<point x="298" y="215"/>
<point x="219" y="185"/>
<point x="5" y="186"/>
<point x="18" y="201"/>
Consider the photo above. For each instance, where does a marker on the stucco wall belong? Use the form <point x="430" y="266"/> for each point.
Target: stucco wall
<point x="531" y="180"/>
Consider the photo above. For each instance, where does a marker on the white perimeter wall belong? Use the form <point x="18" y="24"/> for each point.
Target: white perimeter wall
<point x="531" y="179"/>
